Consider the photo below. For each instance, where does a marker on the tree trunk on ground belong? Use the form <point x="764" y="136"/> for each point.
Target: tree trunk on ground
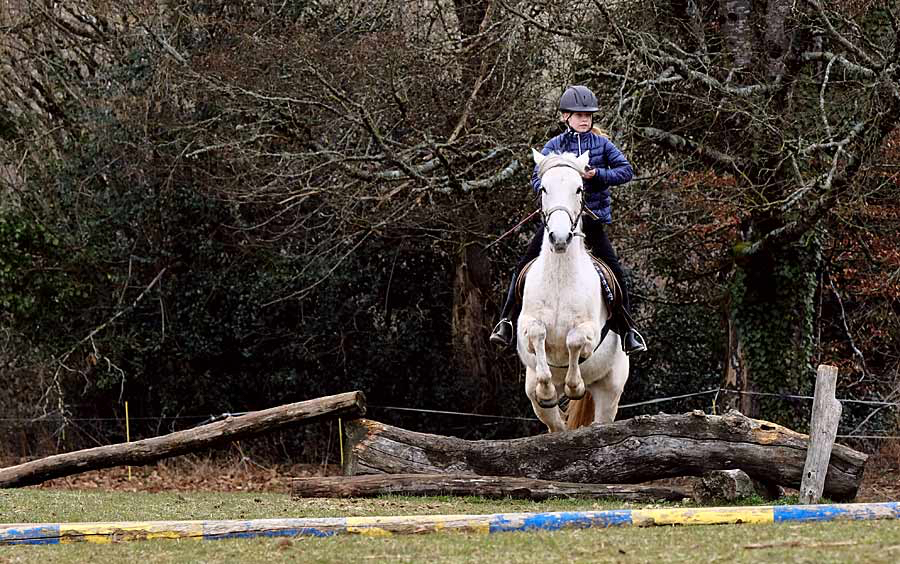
<point x="468" y="484"/>
<point x="631" y="451"/>
<point x="350" y="404"/>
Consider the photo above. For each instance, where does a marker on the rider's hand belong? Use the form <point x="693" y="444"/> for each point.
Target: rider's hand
<point x="589" y="173"/>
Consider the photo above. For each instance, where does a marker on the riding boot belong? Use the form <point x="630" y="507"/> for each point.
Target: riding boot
<point x="632" y="340"/>
<point x="504" y="331"/>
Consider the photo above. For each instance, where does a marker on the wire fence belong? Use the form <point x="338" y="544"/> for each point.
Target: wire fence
<point x="206" y="419"/>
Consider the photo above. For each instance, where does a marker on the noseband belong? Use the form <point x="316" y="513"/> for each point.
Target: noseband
<point x="573" y="218"/>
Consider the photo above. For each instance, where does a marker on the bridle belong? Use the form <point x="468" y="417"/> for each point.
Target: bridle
<point x="573" y="217"/>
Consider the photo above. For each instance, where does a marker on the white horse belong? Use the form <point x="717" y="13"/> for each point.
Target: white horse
<point x="563" y="311"/>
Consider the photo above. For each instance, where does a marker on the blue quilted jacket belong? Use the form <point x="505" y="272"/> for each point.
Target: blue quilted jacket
<point x="612" y="167"/>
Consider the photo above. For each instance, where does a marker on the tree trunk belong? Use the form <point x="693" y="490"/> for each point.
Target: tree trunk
<point x="630" y="451"/>
<point x="738" y="35"/>
<point x="471" y="14"/>
<point x="468" y="322"/>
<point x="350" y="404"/>
<point x="469" y="484"/>
<point x="777" y="39"/>
<point x="771" y="326"/>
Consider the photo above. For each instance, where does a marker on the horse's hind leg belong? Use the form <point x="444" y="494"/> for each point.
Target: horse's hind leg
<point x="608" y="390"/>
<point x="579" y="344"/>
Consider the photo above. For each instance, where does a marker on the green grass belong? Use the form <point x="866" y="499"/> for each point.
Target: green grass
<point x="57" y="506"/>
<point x="872" y="541"/>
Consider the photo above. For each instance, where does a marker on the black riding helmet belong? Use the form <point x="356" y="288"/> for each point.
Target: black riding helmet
<point x="578" y="99"/>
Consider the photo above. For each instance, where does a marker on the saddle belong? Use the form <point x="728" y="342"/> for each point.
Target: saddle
<point x="612" y="292"/>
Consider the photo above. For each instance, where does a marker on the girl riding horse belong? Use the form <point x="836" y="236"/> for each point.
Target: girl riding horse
<point x="607" y="167"/>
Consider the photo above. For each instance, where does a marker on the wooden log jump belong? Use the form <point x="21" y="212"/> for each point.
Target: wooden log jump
<point x="350" y="404"/>
<point x="468" y="484"/>
<point x="631" y="451"/>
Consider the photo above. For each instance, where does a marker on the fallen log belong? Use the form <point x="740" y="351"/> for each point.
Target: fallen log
<point x="350" y="404"/>
<point x="470" y="484"/>
<point x="631" y="451"/>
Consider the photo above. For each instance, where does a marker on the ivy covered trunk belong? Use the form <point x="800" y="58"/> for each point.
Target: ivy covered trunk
<point x="771" y="331"/>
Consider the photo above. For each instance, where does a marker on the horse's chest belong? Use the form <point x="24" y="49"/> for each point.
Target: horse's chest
<point x="555" y="342"/>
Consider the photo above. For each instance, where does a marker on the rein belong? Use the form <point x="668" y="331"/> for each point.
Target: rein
<point x="545" y="216"/>
<point x="518" y="225"/>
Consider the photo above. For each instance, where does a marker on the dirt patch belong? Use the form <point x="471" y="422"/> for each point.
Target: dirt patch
<point x="192" y="474"/>
<point x="881" y="480"/>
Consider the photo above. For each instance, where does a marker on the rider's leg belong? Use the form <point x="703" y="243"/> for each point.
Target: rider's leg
<point x="505" y="329"/>
<point x="598" y="243"/>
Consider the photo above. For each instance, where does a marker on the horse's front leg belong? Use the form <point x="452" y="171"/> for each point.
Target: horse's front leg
<point x="579" y="342"/>
<point x="538" y="386"/>
<point x="549" y="416"/>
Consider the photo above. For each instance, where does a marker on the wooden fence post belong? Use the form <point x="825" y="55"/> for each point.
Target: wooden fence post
<point x="826" y="414"/>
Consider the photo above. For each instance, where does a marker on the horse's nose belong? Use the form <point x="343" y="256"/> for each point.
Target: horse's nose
<point x="559" y="244"/>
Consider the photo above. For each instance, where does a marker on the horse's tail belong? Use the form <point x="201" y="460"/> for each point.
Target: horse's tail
<point x="580" y="413"/>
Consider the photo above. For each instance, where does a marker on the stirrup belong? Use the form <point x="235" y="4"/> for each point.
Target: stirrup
<point x="639" y="340"/>
<point x="501" y="337"/>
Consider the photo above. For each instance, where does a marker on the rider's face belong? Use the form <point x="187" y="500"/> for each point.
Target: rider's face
<point x="579" y="121"/>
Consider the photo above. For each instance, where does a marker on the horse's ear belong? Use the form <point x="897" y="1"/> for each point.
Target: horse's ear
<point x="584" y="160"/>
<point x="538" y="157"/>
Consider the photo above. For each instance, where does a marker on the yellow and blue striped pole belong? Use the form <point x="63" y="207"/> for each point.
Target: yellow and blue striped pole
<point x="61" y="533"/>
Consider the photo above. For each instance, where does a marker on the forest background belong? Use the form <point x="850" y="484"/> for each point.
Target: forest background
<point x="214" y="206"/>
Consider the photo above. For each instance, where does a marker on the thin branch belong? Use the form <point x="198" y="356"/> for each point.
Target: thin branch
<point x="684" y="145"/>
<point x="109" y="321"/>
<point x="840" y="38"/>
<point x="856" y="352"/>
<point x="303" y="292"/>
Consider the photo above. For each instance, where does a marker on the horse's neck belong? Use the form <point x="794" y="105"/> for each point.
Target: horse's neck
<point x="565" y="267"/>
<point x="568" y="276"/>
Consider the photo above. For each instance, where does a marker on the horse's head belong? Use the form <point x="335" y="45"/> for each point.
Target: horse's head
<point x="562" y="196"/>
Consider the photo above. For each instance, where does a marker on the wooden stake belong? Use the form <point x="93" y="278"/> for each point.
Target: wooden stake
<point x="127" y="434"/>
<point x="826" y="414"/>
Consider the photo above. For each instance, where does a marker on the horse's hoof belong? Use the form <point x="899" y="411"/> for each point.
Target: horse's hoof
<point x="575" y="394"/>
<point x="548" y="404"/>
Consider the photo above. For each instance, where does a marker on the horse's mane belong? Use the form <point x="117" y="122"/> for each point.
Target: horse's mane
<point x="557" y="159"/>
